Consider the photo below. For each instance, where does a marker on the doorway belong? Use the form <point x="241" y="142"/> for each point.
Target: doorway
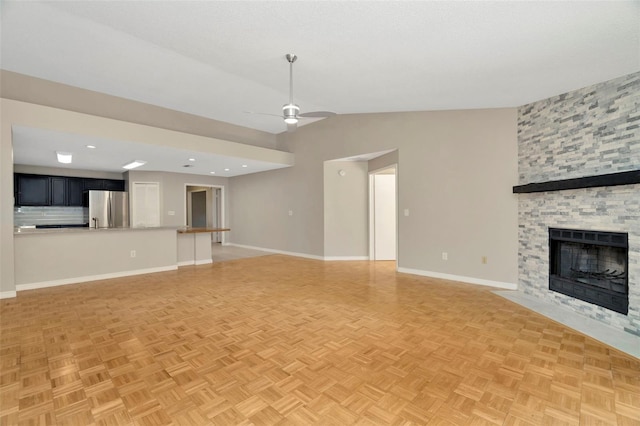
<point x="204" y="209"/>
<point x="383" y="214"/>
<point x="199" y="209"/>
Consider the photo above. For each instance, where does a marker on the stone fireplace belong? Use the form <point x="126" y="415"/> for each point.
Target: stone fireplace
<point x="566" y="144"/>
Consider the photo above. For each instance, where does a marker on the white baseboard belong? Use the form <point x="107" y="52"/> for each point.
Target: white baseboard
<point x="7" y="294"/>
<point x="65" y="281"/>
<point x="288" y="253"/>
<point x="469" y="280"/>
<point x="332" y="258"/>
<point x="202" y="262"/>
<point x="185" y="263"/>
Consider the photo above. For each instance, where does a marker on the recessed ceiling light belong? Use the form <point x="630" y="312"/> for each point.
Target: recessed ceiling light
<point x="134" y="164"/>
<point x="64" y="157"/>
<point x="192" y="159"/>
<point x="91" y="146"/>
<point x="244" y="165"/>
<point x="213" y="173"/>
<point x="226" y="170"/>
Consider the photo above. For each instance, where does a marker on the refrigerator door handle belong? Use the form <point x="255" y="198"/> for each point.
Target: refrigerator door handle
<point x="109" y="207"/>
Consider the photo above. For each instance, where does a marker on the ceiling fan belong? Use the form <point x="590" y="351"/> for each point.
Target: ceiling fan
<point x="291" y="112"/>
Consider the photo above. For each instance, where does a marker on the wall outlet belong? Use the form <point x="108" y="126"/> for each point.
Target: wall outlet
<point x="406" y="212"/>
<point x="133" y="253"/>
<point x="171" y="213"/>
<point x="290" y="212"/>
<point x="484" y="260"/>
<point x="445" y="255"/>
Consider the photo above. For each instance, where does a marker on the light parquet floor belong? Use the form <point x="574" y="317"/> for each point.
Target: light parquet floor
<point x="290" y="341"/>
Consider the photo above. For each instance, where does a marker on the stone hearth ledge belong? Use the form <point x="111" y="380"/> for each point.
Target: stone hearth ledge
<point x="620" y="340"/>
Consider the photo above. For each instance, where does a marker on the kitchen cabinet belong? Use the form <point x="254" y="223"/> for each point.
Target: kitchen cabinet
<point x="113" y="185"/>
<point x="44" y="190"/>
<point x="58" y="191"/>
<point x="103" y="184"/>
<point x="32" y="190"/>
<point x="93" y="184"/>
<point x="75" y="188"/>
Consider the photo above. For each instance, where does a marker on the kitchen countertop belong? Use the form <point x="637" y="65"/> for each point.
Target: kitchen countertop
<point x="31" y="231"/>
<point x="199" y="230"/>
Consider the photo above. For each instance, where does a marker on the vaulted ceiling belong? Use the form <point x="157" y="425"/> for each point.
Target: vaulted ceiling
<point x="220" y="59"/>
<point x="225" y="60"/>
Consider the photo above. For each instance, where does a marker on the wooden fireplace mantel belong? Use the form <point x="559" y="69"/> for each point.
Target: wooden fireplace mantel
<point x="611" y="179"/>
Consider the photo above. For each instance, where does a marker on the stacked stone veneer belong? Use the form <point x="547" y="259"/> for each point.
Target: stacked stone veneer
<point x="587" y="132"/>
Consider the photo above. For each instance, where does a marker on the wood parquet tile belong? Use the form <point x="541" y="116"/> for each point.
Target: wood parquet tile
<point x="276" y="340"/>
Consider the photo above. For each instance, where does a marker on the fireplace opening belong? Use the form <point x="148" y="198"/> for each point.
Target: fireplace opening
<point x="591" y="266"/>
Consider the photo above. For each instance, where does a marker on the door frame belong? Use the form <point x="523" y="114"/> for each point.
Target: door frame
<point x="223" y="222"/>
<point x="372" y="173"/>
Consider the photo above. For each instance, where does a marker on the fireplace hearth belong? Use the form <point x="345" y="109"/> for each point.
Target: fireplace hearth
<point x="590" y="266"/>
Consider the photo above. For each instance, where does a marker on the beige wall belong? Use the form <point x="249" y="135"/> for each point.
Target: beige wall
<point x="455" y="173"/>
<point x="7" y="286"/>
<point x="346" y="209"/>
<point x="173" y="187"/>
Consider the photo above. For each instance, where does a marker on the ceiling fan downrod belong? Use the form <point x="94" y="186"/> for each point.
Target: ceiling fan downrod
<point x="291" y="110"/>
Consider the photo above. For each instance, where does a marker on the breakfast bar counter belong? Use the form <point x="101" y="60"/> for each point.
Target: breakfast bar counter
<point x="194" y="245"/>
<point x="57" y="256"/>
<point x="50" y="257"/>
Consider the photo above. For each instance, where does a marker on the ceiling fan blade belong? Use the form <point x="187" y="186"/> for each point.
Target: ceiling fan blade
<point x="292" y="127"/>
<point x="317" y="114"/>
<point x="263" y="113"/>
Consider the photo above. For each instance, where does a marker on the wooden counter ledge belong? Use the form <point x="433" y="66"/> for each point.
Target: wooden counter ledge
<point x="199" y="230"/>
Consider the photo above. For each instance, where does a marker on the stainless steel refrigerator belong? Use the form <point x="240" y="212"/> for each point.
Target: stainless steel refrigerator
<point x="108" y="209"/>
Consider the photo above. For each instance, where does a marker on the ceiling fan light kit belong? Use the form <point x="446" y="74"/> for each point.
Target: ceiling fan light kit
<point x="290" y="113"/>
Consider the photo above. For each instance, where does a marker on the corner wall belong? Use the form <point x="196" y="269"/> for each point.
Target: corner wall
<point x="346" y="210"/>
<point x="455" y="174"/>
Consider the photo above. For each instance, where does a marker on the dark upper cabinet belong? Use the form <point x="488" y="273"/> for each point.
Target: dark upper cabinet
<point x="58" y="189"/>
<point x="93" y="184"/>
<point x="103" y="184"/>
<point x="43" y="190"/>
<point x="113" y="185"/>
<point x="32" y="190"/>
<point x="75" y="187"/>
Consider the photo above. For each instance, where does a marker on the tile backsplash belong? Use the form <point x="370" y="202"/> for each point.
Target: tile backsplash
<point x="25" y="216"/>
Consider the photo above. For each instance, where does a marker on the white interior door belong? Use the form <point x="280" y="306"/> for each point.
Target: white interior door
<point x="384" y="216"/>
<point x="145" y="204"/>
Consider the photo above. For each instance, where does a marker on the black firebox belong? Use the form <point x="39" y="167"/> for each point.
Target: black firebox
<point x="590" y="266"/>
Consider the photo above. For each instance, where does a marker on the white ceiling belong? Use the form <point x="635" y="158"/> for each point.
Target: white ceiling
<point x="38" y="147"/>
<point x="219" y="59"/>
